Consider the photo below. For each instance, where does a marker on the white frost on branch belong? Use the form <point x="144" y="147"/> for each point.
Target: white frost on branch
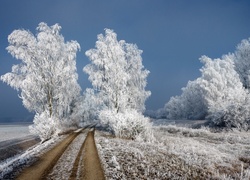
<point x="218" y="95"/>
<point x="117" y="74"/>
<point x="46" y="76"/>
<point x="119" y="80"/>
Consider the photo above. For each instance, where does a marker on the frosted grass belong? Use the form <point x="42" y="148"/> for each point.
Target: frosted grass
<point x="179" y="153"/>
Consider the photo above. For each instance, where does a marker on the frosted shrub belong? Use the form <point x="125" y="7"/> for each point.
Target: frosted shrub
<point x="233" y="116"/>
<point x="129" y="124"/>
<point x="189" y="105"/>
<point x="44" y="126"/>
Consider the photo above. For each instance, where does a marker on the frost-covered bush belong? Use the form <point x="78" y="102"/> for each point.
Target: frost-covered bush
<point x="44" y="126"/>
<point x="189" y="105"/>
<point x="67" y="124"/>
<point x="233" y="116"/>
<point x="129" y="124"/>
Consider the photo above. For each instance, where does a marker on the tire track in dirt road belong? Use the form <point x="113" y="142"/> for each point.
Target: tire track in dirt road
<point x="86" y="164"/>
<point x="92" y="169"/>
<point x="41" y="168"/>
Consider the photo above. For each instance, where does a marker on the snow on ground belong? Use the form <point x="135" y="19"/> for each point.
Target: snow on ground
<point x="226" y="154"/>
<point x="179" y="123"/>
<point x="125" y="159"/>
<point x="12" y="166"/>
<point x="177" y="153"/>
<point x="15" y="138"/>
<point x="14" y="131"/>
<point x="62" y="170"/>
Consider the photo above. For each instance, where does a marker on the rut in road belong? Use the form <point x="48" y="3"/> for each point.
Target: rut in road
<point x="87" y="164"/>
<point x="92" y="168"/>
<point x="88" y="161"/>
<point x="46" y="162"/>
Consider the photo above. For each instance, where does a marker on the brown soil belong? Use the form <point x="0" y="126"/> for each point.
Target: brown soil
<point x="87" y="161"/>
<point x="92" y="169"/>
<point x="42" y="167"/>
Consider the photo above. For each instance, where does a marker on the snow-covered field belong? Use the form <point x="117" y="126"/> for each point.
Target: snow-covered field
<point x="178" y="152"/>
<point x="14" y="165"/>
<point x="13" y="131"/>
<point x="179" y="123"/>
<point x="15" y="139"/>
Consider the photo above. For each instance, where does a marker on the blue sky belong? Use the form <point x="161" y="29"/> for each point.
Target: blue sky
<point x="173" y="34"/>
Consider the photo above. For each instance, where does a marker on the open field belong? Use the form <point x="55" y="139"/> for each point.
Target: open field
<point x="14" y="130"/>
<point x="177" y="152"/>
<point x="15" y="138"/>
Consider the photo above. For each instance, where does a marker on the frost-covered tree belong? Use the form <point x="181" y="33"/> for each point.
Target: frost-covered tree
<point x="117" y="73"/>
<point x="138" y="77"/>
<point x="119" y="80"/>
<point x="88" y="106"/>
<point x="189" y="105"/>
<point x="217" y="95"/>
<point x="107" y="71"/>
<point x="224" y="93"/>
<point x="221" y="94"/>
<point x="46" y="77"/>
<point x="242" y="62"/>
<point x="175" y="109"/>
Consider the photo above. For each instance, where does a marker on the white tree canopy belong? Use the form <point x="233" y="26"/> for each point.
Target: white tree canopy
<point x="189" y="105"/>
<point x="223" y="91"/>
<point x="107" y="70"/>
<point x="119" y="80"/>
<point x="217" y="95"/>
<point x="220" y="82"/>
<point x="117" y="73"/>
<point x="242" y="62"/>
<point x="137" y="81"/>
<point x="46" y="76"/>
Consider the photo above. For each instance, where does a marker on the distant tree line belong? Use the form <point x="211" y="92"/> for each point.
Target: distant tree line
<point x="220" y="95"/>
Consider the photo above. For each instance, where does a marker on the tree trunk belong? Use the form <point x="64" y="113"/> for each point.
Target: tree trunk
<point x="50" y="102"/>
<point x="116" y="103"/>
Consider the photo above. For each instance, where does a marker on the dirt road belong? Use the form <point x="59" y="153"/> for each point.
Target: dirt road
<point x="86" y="163"/>
<point x="92" y="168"/>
